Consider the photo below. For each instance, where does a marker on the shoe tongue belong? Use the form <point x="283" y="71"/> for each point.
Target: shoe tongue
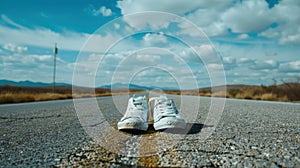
<point x="137" y="100"/>
<point x="164" y="99"/>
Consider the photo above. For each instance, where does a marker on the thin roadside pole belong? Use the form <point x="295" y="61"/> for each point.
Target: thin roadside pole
<point x="54" y="67"/>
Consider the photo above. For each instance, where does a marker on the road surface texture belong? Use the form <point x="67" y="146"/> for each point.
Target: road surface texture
<point x="248" y="134"/>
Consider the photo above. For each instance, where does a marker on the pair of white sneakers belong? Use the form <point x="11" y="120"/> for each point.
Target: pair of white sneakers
<point x="165" y="114"/>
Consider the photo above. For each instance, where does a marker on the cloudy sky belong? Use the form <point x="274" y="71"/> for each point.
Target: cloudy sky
<point x="170" y="43"/>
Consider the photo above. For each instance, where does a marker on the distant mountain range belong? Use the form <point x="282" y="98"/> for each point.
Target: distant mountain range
<point x="133" y="86"/>
<point x="29" y="83"/>
<point x="112" y="86"/>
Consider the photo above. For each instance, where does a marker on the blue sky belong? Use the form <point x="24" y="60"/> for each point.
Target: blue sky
<point x="179" y="43"/>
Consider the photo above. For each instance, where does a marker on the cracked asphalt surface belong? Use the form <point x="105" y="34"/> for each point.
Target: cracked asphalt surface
<point x="249" y="133"/>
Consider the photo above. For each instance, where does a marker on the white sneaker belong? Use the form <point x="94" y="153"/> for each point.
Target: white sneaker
<point x="165" y="114"/>
<point x="136" y="116"/>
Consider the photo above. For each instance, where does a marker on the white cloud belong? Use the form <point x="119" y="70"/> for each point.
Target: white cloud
<point x="255" y="64"/>
<point x="100" y="43"/>
<point x="86" y="65"/>
<point x="215" y="18"/>
<point x="158" y="39"/>
<point x="33" y="61"/>
<point x="215" y="67"/>
<point x="10" y="22"/>
<point x="117" y="26"/>
<point x="148" y="58"/>
<point x="290" y="67"/>
<point x="208" y="54"/>
<point x="287" y="29"/>
<point x="68" y="40"/>
<point x="18" y="64"/>
<point x="248" y="59"/>
<point x="152" y="20"/>
<point x="15" y="49"/>
<point x="204" y="53"/>
<point x="270" y="33"/>
<point x="162" y="74"/>
<point x="229" y="62"/>
<point x="248" y="16"/>
<point x="206" y="19"/>
<point x="243" y="36"/>
<point x="102" y="10"/>
<point x="245" y="61"/>
<point x="212" y="29"/>
<point x="290" y="38"/>
<point x="122" y="66"/>
<point x="31" y="67"/>
<point x="189" y="55"/>
<point x="174" y="6"/>
<point x="288" y="21"/>
<point x="134" y="66"/>
<point x="268" y="64"/>
<point x="30" y="61"/>
<point x="178" y="7"/>
<point x="25" y="36"/>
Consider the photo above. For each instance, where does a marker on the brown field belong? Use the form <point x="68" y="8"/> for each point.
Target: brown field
<point x="14" y="94"/>
<point x="288" y="92"/>
<point x="284" y="92"/>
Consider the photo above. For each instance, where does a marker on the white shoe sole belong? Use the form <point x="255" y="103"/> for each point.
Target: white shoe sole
<point x="169" y="124"/>
<point x="133" y="126"/>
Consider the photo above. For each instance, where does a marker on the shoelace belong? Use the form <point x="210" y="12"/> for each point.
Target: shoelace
<point x="164" y="106"/>
<point x="134" y="112"/>
<point x="138" y="104"/>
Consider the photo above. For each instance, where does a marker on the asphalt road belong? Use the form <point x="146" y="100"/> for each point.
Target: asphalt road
<point x="59" y="133"/>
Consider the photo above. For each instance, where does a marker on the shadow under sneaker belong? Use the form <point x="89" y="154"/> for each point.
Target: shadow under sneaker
<point x="136" y="116"/>
<point x="165" y="114"/>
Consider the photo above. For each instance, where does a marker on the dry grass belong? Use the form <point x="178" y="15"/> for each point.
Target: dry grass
<point x="13" y="94"/>
<point x="220" y="94"/>
<point x="205" y="94"/>
<point x="269" y="96"/>
<point x="15" y="98"/>
<point x="283" y="92"/>
<point x="29" y="97"/>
